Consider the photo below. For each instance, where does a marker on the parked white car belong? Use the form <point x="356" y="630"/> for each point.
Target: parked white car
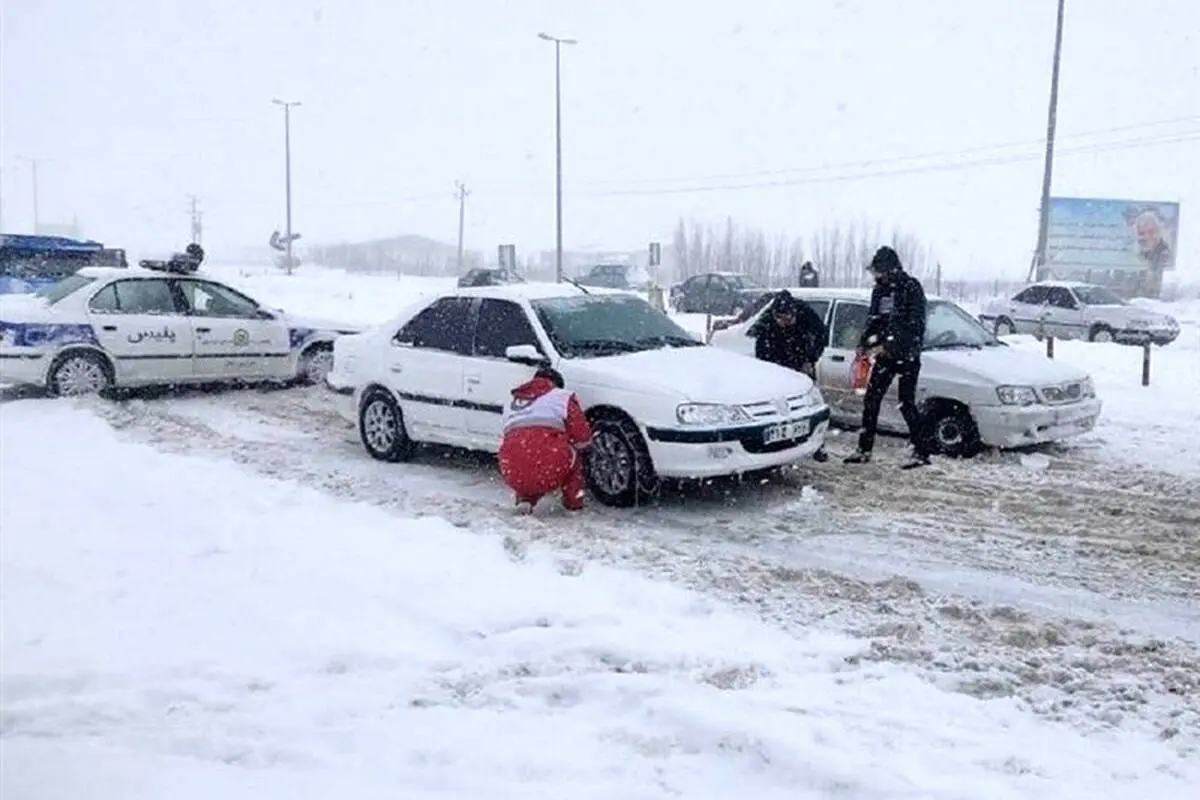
<point x="108" y="327"/>
<point x="661" y="403"/>
<point x="974" y="390"/>
<point x="1069" y="310"/>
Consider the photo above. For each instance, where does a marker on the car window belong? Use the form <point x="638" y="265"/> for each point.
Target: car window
<point x="592" y="326"/>
<point x="206" y="299"/>
<point x="441" y="326"/>
<point x="135" y="297"/>
<point x="849" y="323"/>
<point x="1098" y="296"/>
<point x="1060" y="298"/>
<point x="821" y="307"/>
<point x="948" y="326"/>
<point x="64" y="288"/>
<point x="502" y="324"/>
<point x="1033" y="296"/>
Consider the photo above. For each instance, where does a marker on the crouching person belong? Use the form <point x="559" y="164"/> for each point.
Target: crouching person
<point x="545" y="435"/>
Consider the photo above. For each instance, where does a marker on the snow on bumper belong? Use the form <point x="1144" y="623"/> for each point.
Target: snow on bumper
<point x="344" y="399"/>
<point x="684" y="453"/>
<point x="21" y="367"/>
<point x="1020" y="426"/>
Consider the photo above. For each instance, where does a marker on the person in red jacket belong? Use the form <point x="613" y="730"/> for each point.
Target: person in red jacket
<point x="545" y="433"/>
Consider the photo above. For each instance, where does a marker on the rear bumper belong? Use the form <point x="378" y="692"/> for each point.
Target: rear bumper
<point x="22" y="369"/>
<point x="681" y="453"/>
<point x="343" y="398"/>
<point x="1021" y="426"/>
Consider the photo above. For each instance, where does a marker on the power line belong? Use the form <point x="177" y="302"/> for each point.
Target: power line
<point x="895" y="160"/>
<point x="951" y="166"/>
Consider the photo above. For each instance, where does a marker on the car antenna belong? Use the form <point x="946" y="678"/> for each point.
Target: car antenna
<point x="576" y="285"/>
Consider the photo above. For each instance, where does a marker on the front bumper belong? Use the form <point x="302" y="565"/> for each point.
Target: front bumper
<point x="686" y="453"/>
<point x="1007" y="427"/>
<point x="1158" y="336"/>
<point x="21" y="367"/>
<point x="344" y="400"/>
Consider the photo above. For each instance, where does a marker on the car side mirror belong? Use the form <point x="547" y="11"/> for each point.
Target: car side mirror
<point x="525" y="354"/>
<point x="264" y="314"/>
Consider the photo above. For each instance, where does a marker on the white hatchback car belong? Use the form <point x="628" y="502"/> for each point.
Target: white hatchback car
<point x="108" y="327"/>
<point x="974" y="390"/>
<point x="661" y="403"/>
<point x="1069" y="310"/>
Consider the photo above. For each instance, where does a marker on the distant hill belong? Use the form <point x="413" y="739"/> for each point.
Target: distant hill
<point x="411" y="254"/>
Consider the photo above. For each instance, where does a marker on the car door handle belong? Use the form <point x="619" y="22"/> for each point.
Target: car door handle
<point x="838" y="359"/>
<point x="203" y="330"/>
<point x="396" y="368"/>
<point x="473" y="379"/>
<point x="109" y="327"/>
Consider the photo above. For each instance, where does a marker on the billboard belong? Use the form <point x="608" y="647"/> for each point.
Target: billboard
<point x="1090" y="239"/>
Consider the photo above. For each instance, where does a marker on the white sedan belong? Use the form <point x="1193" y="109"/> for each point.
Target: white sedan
<point x="108" y="327"/>
<point x="974" y="390"/>
<point x="661" y="403"/>
<point x="1071" y="310"/>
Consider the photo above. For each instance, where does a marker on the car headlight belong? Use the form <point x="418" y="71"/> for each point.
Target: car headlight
<point x="813" y="398"/>
<point x="1017" y="395"/>
<point x="710" y="414"/>
<point x="1089" y="387"/>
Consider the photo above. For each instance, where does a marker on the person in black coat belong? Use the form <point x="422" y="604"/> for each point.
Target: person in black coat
<point x="789" y="333"/>
<point x="896" y="333"/>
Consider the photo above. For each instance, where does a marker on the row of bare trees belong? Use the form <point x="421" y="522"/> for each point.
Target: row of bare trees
<point x="841" y="253"/>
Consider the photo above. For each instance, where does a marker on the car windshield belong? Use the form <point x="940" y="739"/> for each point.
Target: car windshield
<point x="948" y="327"/>
<point x="590" y="326"/>
<point x="64" y="288"/>
<point x="1098" y="296"/>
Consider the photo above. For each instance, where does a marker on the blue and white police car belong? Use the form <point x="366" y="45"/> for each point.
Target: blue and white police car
<point x="111" y="327"/>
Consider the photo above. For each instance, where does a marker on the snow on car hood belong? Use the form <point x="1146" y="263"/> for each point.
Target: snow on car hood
<point x="317" y="323"/>
<point x="26" y="308"/>
<point x="1004" y="366"/>
<point x="695" y="374"/>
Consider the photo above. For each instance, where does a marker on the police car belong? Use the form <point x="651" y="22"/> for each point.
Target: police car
<point x="161" y="323"/>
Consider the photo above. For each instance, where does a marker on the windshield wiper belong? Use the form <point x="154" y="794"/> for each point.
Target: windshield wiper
<point x="603" y="344"/>
<point x="669" y="339"/>
<point x="954" y="346"/>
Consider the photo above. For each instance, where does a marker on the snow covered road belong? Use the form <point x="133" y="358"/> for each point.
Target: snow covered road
<point x="1061" y="580"/>
<point x="180" y="627"/>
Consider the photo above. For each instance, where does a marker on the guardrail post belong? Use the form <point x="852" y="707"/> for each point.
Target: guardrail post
<point x="1049" y="347"/>
<point x="1146" y="363"/>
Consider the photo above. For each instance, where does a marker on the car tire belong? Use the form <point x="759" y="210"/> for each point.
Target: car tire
<point x="952" y="432"/>
<point x="1100" y="333"/>
<point x="315" y="363"/>
<point x="1004" y="327"/>
<point x="381" y="428"/>
<point x="80" y="372"/>
<point x="619" y="470"/>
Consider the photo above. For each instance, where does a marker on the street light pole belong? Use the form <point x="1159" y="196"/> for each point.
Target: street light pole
<point x="558" y="246"/>
<point x="33" y="167"/>
<point x="287" y="158"/>
<point x="1039" y="270"/>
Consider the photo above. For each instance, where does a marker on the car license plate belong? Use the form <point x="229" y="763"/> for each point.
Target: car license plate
<point x="786" y="431"/>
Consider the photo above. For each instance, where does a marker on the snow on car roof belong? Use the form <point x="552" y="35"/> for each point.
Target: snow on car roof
<point x="537" y="290"/>
<point x="864" y="294"/>
<point x="102" y="273"/>
<point x="1062" y="284"/>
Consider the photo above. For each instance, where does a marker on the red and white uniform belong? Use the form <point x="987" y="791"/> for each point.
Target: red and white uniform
<point x="544" y="429"/>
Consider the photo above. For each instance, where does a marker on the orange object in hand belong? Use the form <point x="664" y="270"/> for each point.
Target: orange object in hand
<point x="860" y="373"/>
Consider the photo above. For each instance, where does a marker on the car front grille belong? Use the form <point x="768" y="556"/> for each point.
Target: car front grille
<point x="770" y="409"/>
<point x="1062" y="394"/>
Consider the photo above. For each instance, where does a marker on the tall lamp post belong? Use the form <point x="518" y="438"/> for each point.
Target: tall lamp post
<point x="33" y="168"/>
<point x="287" y="158"/>
<point x="558" y="244"/>
<point x="1039" y="270"/>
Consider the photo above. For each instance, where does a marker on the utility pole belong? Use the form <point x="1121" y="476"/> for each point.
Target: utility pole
<point x="461" y="193"/>
<point x="33" y="168"/>
<point x="558" y="238"/>
<point x="1038" y="268"/>
<point x="196" y="215"/>
<point x="287" y="159"/>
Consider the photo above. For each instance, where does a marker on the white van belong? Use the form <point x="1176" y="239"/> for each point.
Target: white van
<point x="974" y="389"/>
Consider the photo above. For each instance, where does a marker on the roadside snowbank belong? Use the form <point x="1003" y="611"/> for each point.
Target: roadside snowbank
<point x="180" y="627"/>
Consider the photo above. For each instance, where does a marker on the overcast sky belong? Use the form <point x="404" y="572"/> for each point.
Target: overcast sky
<point x="762" y="111"/>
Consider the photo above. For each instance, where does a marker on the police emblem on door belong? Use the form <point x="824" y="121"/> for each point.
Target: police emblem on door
<point x="241" y="337"/>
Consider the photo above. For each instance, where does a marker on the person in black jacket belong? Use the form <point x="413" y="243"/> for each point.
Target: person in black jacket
<point x="896" y="333"/>
<point x="792" y="335"/>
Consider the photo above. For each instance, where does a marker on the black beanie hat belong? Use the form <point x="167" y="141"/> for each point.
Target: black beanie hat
<point x="885" y="261"/>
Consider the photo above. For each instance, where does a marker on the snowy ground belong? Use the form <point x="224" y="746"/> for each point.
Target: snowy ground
<point x="1025" y="591"/>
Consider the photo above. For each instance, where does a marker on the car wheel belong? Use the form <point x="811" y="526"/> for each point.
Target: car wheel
<point x="1005" y="327"/>
<point x="619" y="470"/>
<point x="381" y="428"/>
<point x="952" y="432"/>
<point x="315" y="363"/>
<point x="1100" y="333"/>
<point x="79" y="373"/>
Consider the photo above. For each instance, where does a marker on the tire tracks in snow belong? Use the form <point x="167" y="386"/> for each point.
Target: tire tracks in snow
<point x="1058" y="586"/>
